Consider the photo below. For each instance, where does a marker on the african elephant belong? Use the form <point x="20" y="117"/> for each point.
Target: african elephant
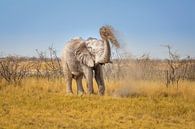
<point x="82" y="57"/>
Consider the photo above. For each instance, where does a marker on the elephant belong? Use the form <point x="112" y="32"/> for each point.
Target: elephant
<point x="81" y="58"/>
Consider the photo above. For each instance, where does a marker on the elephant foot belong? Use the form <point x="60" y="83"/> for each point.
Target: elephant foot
<point x="101" y="90"/>
<point x="69" y="94"/>
<point x="101" y="94"/>
<point x="80" y="93"/>
<point x="91" y="93"/>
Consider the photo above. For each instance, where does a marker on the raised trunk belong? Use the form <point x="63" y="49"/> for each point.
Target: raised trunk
<point x="105" y="58"/>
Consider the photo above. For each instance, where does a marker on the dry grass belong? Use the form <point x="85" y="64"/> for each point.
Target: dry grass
<point x="44" y="104"/>
<point x="151" y="89"/>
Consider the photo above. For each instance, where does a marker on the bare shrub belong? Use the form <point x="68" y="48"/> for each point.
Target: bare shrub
<point x="13" y="69"/>
<point x="118" y="69"/>
<point x="177" y="68"/>
<point x="171" y="71"/>
<point x="145" y="67"/>
<point x="48" y="65"/>
<point x="126" y="67"/>
<point x="190" y="72"/>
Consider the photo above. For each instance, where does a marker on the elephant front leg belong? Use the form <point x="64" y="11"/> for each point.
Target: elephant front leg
<point x="99" y="79"/>
<point x="88" y="72"/>
<point x="69" y="86"/>
<point x="80" y="90"/>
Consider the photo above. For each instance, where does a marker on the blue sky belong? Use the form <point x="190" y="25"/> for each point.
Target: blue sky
<point x="144" y="25"/>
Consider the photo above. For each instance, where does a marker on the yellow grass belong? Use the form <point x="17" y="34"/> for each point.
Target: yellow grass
<point x="149" y="105"/>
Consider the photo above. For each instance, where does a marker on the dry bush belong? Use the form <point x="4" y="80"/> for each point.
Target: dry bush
<point x="190" y="72"/>
<point x="173" y="70"/>
<point x="48" y="65"/>
<point x="142" y="68"/>
<point x="13" y="69"/>
<point x="176" y="68"/>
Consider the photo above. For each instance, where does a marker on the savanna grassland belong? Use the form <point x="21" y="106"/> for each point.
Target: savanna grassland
<point x="140" y="94"/>
<point x="127" y="104"/>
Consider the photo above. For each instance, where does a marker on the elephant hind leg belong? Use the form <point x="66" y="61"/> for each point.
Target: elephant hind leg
<point x="88" y="72"/>
<point x="68" y="78"/>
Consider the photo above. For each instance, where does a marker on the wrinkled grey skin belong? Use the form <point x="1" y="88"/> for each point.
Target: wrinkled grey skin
<point x="82" y="57"/>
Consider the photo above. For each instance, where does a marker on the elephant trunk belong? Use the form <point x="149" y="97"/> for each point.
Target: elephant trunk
<point x="105" y="58"/>
<point x="107" y="34"/>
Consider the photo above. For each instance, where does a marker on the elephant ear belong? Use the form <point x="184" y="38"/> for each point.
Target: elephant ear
<point x="84" y="56"/>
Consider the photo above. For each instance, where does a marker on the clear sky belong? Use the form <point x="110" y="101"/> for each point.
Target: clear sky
<point x="145" y="25"/>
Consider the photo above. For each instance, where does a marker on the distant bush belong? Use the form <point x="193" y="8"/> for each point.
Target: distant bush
<point x="170" y="71"/>
<point x="48" y="64"/>
<point x="13" y="69"/>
